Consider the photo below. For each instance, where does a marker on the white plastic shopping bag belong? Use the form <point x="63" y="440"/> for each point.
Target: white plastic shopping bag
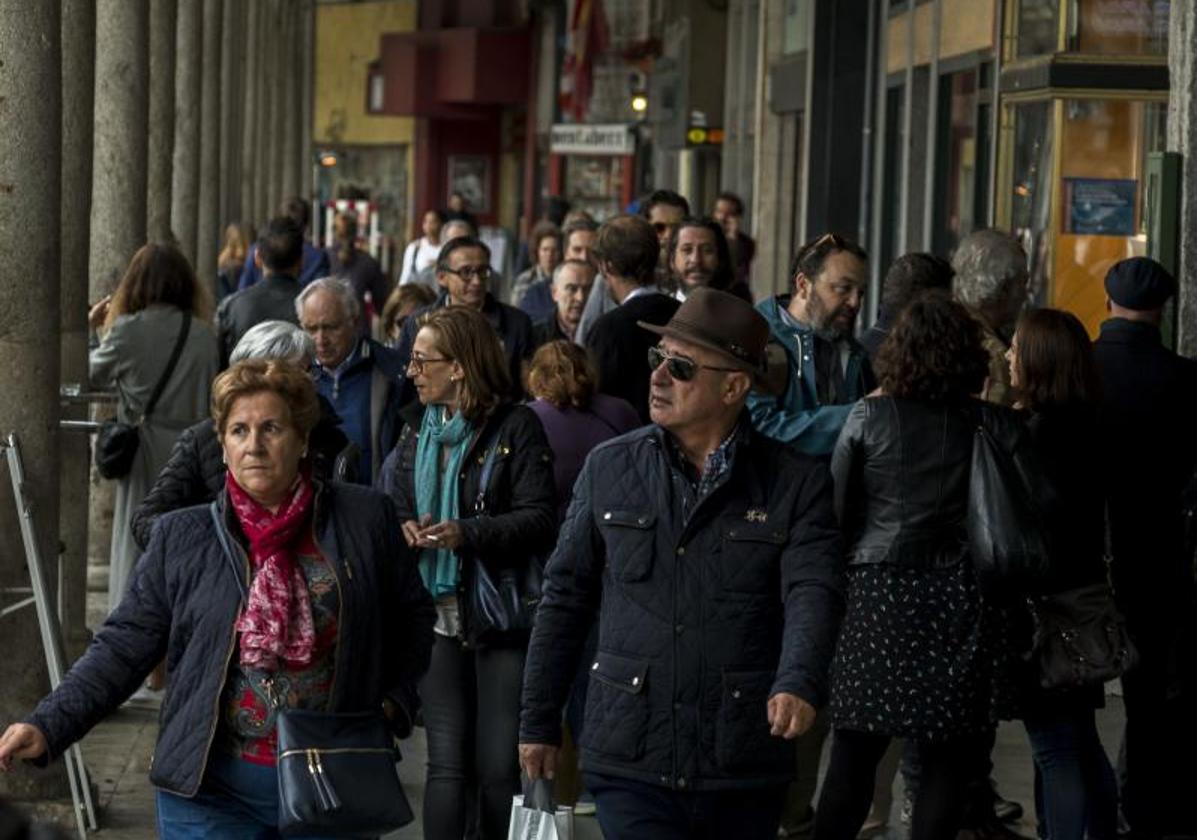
<point x="540" y="819"/>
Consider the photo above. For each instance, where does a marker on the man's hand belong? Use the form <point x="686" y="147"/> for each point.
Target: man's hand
<point x="538" y="760"/>
<point x="789" y="716"/>
<point x="21" y="740"/>
<point x="412" y="528"/>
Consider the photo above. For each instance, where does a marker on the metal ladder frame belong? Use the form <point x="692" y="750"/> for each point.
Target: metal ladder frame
<point x="51" y="630"/>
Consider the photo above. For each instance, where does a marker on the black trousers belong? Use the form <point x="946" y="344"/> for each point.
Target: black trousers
<point x="946" y="768"/>
<point x="631" y="810"/>
<point x="471" y="701"/>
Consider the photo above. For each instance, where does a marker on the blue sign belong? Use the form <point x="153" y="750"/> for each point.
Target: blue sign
<point x="1101" y="206"/>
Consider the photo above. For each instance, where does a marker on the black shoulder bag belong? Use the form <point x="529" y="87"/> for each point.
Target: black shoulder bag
<point x="1080" y="635"/>
<point x="117" y="442"/>
<point x="337" y="773"/>
<point x="506" y="601"/>
<point x="1006" y="536"/>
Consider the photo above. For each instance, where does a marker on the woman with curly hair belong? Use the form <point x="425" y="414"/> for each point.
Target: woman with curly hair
<point x="921" y="654"/>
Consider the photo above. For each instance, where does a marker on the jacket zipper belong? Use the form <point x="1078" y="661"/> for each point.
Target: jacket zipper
<point x="332" y="688"/>
<point x="228" y="657"/>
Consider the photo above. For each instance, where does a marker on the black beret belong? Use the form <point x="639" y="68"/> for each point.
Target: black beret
<point x="1140" y="283"/>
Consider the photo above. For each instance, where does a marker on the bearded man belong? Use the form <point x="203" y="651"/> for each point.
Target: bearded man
<point x="817" y="369"/>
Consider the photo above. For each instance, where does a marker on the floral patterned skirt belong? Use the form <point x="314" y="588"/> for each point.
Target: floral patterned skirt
<point x="922" y="655"/>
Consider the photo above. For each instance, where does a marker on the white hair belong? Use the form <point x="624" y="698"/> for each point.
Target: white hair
<point x="990" y="265"/>
<point x="279" y="340"/>
<point x="339" y="287"/>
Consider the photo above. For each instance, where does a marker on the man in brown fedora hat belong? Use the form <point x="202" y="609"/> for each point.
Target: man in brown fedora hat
<point x="711" y="557"/>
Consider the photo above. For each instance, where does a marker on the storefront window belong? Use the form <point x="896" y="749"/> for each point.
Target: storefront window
<point x="1119" y="27"/>
<point x="593" y="184"/>
<point x="1031" y="187"/>
<point x="963" y="172"/>
<point x="1038" y="27"/>
<point x="1103" y="148"/>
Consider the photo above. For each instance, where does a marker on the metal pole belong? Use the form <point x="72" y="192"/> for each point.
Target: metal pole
<point x="929" y="197"/>
<point x="907" y="130"/>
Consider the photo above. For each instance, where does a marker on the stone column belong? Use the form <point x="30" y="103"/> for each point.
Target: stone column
<point x="78" y="95"/>
<point x="249" y="123"/>
<point x="184" y="197"/>
<point x="264" y="96"/>
<point x="162" y="118"/>
<point x="118" y="198"/>
<point x="207" y="234"/>
<point x="232" y="103"/>
<point x="290" y="77"/>
<point x="1182" y="137"/>
<point x="307" y="64"/>
<point x="30" y="175"/>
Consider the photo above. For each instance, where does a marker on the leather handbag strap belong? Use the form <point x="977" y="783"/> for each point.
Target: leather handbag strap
<point x="170" y="366"/>
<point x="488" y="467"/>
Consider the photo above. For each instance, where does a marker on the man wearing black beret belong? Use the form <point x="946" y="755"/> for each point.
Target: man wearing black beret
<point x="1150" y="402"/>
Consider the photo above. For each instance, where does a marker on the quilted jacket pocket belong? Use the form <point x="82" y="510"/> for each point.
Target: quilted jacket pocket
<point x="629" y="536"/>
<point x="616" y="706"/>
<point x="742" y="739"/>
<point x="752" y="551"/>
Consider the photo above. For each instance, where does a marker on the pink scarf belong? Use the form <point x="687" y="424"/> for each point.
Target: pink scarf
<point x="277" y="622"/>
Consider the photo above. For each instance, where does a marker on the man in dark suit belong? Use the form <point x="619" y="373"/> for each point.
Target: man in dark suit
<point x="626" y="252"/>
<point x="280" y="250"/>
<point x="1150" y="402"/>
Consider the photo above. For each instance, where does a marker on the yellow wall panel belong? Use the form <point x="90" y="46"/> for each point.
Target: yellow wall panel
<point x="966" y="26"/>
<point x="347" y="40"/>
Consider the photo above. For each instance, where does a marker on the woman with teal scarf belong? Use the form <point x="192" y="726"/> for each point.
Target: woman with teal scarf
<point x="471" y="692"/>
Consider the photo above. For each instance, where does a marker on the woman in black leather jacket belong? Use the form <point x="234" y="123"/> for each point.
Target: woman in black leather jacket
<point x="1054" y="376"/>
<point x="921" y="655"/>
<point x="471" y="694"/>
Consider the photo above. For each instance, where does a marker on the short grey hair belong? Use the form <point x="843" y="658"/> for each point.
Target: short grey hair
<point x="988" y="264"/>
<point x="564" y="264"/>
<point x="279" y="340"/>
<point x="461" y="223"/>
<point x="339" y="287"/>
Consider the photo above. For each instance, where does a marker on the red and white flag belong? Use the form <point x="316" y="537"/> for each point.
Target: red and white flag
<point x="587" y="37"/>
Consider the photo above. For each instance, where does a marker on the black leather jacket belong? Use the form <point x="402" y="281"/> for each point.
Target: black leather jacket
<point x="901" y="470"/>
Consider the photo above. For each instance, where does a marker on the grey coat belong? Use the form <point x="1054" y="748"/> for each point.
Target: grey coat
<point x="131" y="357"/>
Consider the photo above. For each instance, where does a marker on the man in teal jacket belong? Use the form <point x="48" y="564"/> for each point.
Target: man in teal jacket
<point x="817" y="370"/>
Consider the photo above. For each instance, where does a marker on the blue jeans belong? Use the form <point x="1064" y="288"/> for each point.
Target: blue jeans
<point x="238" y="800"/>
<point x="631" y="810"/>
<point x="1076" y="794"/>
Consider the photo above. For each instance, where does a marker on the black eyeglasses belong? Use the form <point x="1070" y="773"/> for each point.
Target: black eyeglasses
<point x="472" y="272"/>
<point x="681" y="368"/>
<point x="417" y="364"/>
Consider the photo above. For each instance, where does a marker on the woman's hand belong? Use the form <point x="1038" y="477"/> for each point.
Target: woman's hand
<point x="412" y="529"/>
<point x="98" y="312"/>
<point x="446" y="534"/>
<point x="21" y="741"/>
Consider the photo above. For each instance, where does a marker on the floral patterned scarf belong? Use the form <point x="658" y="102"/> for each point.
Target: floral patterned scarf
<point x="277" y="621"/>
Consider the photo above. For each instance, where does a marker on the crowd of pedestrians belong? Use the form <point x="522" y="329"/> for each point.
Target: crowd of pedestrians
<point x="612" y="503"/>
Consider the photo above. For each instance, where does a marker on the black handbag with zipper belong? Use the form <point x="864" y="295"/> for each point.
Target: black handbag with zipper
<point x="1080" y="638"/>
<point x="117" y="442"/>
<point x="338" y="773"/>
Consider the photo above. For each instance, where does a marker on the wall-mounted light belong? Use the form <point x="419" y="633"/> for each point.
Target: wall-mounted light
<point x="328" y="159"/>
<point x="640" y="103"/>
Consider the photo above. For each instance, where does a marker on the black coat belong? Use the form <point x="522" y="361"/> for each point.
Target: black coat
<point x="521" y="506"/>
<point x="513" y="327"/>
<point x="182" y="603"/>
<point x="700" y="619"/>
<point x="195" y="472"/>
<point x="1149" y="453"/>
<point x="271" y="299"/>
<point x="619" y="347"/>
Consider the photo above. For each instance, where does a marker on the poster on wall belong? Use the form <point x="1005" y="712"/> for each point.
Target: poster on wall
<point x="470" y="176"/>
<point x="1100" y="206"/>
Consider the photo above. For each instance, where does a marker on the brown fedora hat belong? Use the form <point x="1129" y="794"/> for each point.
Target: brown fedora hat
<point x="723" y="323"/>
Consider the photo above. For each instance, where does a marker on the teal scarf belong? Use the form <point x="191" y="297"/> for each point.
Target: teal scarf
<point x="437" y="497"/>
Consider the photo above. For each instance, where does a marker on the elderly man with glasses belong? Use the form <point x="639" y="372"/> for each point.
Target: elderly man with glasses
<point x="464" y="275"/>
<point x="711" y="557"/>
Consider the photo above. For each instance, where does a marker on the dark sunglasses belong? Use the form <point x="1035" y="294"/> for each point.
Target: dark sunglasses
<point x="680" y="368"/>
